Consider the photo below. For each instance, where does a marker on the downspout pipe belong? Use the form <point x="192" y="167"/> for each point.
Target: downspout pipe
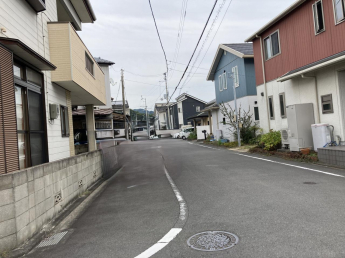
<point x="318" y="119"/>
<point x="265" y="85"/>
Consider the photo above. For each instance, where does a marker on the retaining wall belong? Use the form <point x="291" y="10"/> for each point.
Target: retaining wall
<point x="32" y="197"/>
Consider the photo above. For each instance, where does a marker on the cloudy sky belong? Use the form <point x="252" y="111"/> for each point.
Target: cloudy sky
<point x="125" y="34"/>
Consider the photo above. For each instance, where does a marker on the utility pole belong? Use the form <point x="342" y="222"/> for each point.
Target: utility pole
<point x="236" y="112"/>
<point x="167" y="95"/>
<point x="147" y="119"/>
<point x="124" y="105"/>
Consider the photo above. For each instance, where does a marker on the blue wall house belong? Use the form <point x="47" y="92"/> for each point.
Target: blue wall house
<point x="233" y="66"/>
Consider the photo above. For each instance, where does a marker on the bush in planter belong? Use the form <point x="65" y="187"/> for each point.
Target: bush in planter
<point x="271" y="141"/>
<point x="231" y="144"/>
<point x="192" y="136"/>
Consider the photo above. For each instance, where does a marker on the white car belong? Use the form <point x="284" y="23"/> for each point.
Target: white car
<point x="185" y="132"/>
<point x="176" y="136"/>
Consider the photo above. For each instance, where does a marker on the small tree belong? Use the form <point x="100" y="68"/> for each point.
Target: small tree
<point x="248" y="128"/>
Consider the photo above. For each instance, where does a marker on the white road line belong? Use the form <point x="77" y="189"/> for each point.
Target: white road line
<point x="174" y="231"/>
<point x="171" y="235"/>
<point x="286" y="164"/>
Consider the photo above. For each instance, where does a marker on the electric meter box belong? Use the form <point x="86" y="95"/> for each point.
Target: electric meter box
<point x="54" y="110"/>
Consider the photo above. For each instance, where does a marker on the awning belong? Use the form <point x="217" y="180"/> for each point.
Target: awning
<point x="210" y="108"/>
<point x="199" y="116"/>
<point x="331" y="60"/>
<point x="27" y="54"/>
<point x="82" y="112"/>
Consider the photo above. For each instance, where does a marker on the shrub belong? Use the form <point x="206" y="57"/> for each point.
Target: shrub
<point x="271" y="141"/>
<point x="231" y="144"/>
<point x="192" y="136"/>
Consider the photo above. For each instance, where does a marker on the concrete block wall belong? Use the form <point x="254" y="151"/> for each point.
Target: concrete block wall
<point x="32" y="197"/>
<point x="333" y="156"/>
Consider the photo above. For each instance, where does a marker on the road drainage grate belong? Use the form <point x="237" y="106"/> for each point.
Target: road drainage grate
<point x="212" y="241"/>
<point x="53" y="240"/>
<point x="309" y="183"/>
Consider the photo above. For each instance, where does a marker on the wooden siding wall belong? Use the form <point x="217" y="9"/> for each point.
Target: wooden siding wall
<point x="299" y="44"/>
<point x="8" y="124"/>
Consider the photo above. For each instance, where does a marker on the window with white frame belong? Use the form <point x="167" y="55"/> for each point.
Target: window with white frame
<point x="319" y="21"/>
<point x="235" y="76"/>
<point x="272" y="45"/>
<point x="282" y="105"/>
<point x="271" y="107"/>
<point x="256" y="114"/>
<point x="339" y="10"/>
<point x="220" y="81"/>
<point x="198" y="109"/>
<point x="223" y="83"/>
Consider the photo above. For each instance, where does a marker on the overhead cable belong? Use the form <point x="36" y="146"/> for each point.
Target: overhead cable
<point x="160" y="40"/>
<point x="215" y="3"/>
<point x="211" y="41"/>
<point x="205" y="40"/>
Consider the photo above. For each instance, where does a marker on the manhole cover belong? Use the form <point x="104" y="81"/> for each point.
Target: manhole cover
<point x="211" y="241"/>
<point x="309" y="183"/>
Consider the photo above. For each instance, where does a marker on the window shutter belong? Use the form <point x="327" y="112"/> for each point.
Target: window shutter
<point x="9" y="161"/>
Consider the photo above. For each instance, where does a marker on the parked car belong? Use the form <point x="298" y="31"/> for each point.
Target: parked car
<point x="176" y="135"/>
<point x="185" y="132"/>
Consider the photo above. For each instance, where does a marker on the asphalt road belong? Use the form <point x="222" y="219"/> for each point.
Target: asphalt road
<point x="266" y="204"/>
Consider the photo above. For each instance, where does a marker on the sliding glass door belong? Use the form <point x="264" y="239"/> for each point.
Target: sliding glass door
<point x="30" y="117"/>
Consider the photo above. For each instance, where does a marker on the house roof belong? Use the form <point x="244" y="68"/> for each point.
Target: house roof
<point x="161" y="109"/>
<point x="184" y="96"/>
<point x="199" y="115"/>
<point x="242" y="50"/>
<point x="119" y="104"/>
<point x="211" y="102"/>
<point x="211" y="107"/>
<point x="103" y="61"/>
<point x="340" y="57"/>
<point x="276" y="19"/>
<point x="84" y="10"/>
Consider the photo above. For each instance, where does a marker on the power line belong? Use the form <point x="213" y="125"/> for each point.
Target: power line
<point x="205" y="40"/>
<point x="142" y="83"/>
<point x="182" y="71"/>
<point x="180" y="32"/>
<point x="154" y="19"/>
<point x="185" y="64"/>
<point x="215" y="3"/>
<point x="156" y="75"/>
<point x="211" y="41"/>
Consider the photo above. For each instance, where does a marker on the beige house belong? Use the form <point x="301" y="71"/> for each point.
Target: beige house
<point x="45" y="68"/>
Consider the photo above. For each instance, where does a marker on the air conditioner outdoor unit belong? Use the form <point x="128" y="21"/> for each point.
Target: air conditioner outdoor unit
<point x="285" y="136"/>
